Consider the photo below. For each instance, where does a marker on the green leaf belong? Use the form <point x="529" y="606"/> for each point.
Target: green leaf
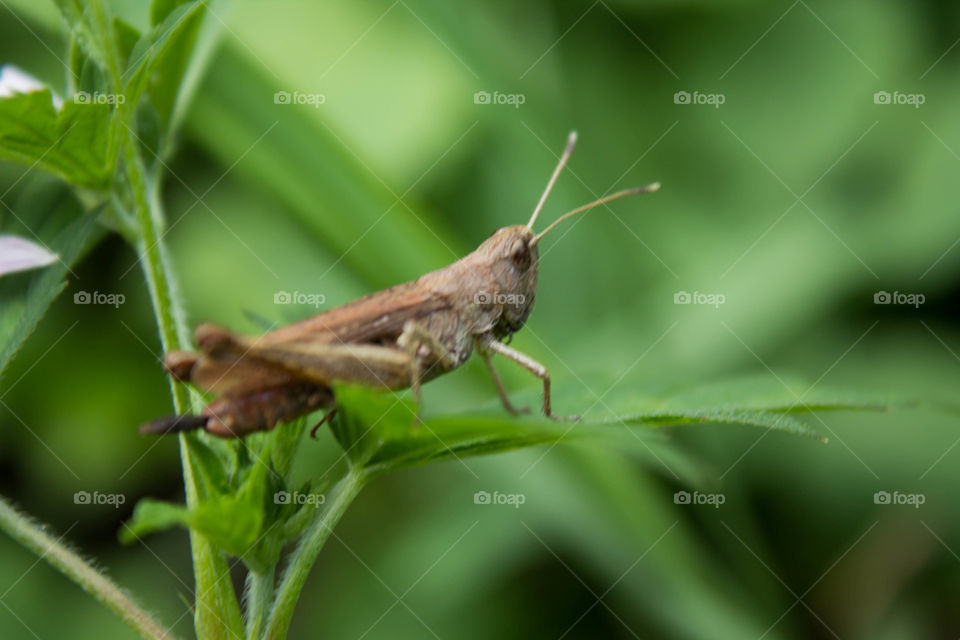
<point x="127" y="37"/>
<point x="367" y="421"/>
<point x="76" y="64"/>
<point x="160" y="9"/>
<point x="209" y="465"/>
<point x="379" y="431"/>
<point x="768" y="393"/>
<point x="241" y="509"/>
<point x="152" y="515"/>
<point x="168" y="68"/>
<point x="70" y="143"/>
<point x="158" y="59"/>
<point x="231" y="519"/>
<point x="75" y="16"/>
<point x="21" y="308"/>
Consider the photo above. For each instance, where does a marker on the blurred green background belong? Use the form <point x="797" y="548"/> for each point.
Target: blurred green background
<point x="798" y="198"/>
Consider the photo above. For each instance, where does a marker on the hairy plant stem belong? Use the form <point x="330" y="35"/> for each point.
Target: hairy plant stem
<point x="216" y="612"/>
<point x="259" y="597"/>
<point x="305" y="555"/>
<point x="67" y="562"/>
<point x="216" y="609"/>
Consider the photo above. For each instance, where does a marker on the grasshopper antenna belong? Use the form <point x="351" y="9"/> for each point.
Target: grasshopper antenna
<point x="596" y="203"/>
<point x="567" y="152"/>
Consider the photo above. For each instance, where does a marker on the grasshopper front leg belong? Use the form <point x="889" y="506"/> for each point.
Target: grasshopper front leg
<point x="484" y="352"/>
<point x="530" y="365"/>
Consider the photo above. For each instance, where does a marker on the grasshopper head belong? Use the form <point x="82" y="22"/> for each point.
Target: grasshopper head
<point x="513" y="260"/>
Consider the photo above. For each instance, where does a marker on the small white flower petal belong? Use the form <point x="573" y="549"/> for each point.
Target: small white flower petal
<point x="17" y="254"/>
<point x="14" y="80"/>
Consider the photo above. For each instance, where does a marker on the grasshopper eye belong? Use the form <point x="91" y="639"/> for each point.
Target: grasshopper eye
<point x="520" y="255"/>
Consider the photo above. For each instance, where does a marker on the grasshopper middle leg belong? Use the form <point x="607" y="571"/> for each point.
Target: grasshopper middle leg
<point x="414" y="337"/>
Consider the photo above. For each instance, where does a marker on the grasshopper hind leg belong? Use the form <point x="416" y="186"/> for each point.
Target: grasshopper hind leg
<point x="236" y="416"/>
<point x="174" y="424"/>
<point x="231" y="417"/>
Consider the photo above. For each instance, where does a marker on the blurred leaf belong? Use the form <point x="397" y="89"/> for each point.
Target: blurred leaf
<point x="314" y="176"/>
<point x="160" y="56"/>
<point x="70" y="143"/>
<point x="127" y="37"/>
<point x="783" y="393"/>
<point x="160" y="9"/>
<point x="21" y="310"/>
<point x="74" y="13"/>
<point x="166" y="78"/>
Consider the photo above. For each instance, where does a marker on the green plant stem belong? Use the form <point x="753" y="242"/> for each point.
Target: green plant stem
<point x="305" y="555"/>
<point x="259" y="597"/>
<point x="216" y="609"/>
<point x="217" y="612"/>
<point x="80" y="571"/>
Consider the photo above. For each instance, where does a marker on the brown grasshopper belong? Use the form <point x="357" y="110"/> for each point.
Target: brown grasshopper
<point x="393" y="339"/>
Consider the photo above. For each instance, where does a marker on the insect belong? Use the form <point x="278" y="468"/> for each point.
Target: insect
<point x="393" y="339"/>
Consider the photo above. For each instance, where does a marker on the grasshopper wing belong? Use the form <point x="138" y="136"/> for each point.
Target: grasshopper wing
<point x="350" y="343"/>
<point x="374" y="319"/>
